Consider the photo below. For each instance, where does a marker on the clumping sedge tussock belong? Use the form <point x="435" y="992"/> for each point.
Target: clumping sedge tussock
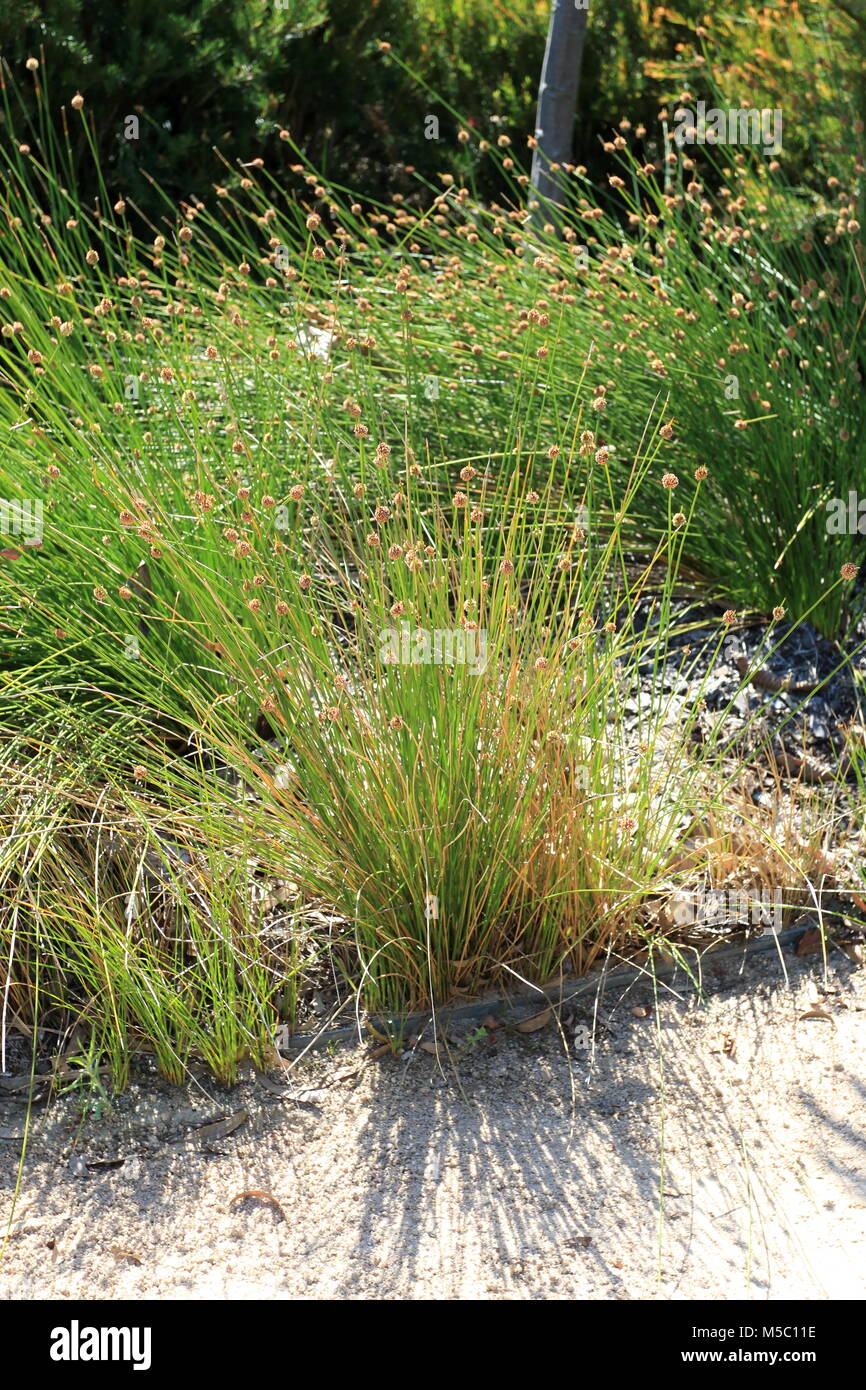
<point x="423" y="698"/>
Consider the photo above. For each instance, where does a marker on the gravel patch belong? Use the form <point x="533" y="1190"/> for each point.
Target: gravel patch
<point x="686" y="1149"/>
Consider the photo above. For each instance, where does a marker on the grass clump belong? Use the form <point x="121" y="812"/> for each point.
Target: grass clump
<point x="363" y="544"/>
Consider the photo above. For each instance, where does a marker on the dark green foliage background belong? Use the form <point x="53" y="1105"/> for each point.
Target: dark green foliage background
<point x="230" y="73"/>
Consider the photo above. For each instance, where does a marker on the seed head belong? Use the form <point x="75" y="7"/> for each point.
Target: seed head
<point x="670" y="480"/>
<point x="849" y="571"/>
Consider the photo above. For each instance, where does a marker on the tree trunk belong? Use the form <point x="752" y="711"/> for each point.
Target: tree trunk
<point x="557" y="103"/>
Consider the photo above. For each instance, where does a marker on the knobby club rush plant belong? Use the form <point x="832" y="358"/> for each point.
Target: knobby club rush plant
<point x="296" y="630"/>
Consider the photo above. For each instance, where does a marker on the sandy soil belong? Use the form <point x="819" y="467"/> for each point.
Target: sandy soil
<point x="657" y="1166"/>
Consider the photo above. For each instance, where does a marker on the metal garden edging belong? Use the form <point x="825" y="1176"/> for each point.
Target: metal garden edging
<point x="526" y="1003"/>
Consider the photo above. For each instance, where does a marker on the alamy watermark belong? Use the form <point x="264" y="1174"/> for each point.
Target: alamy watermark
<point x="763" y="907"/>
<point x="846" y="518"/>
<point x="738" y="126"/>
<point x="458" y="646"/>
<point x="22" y="518"/>
<point x="77" y="1343"/>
